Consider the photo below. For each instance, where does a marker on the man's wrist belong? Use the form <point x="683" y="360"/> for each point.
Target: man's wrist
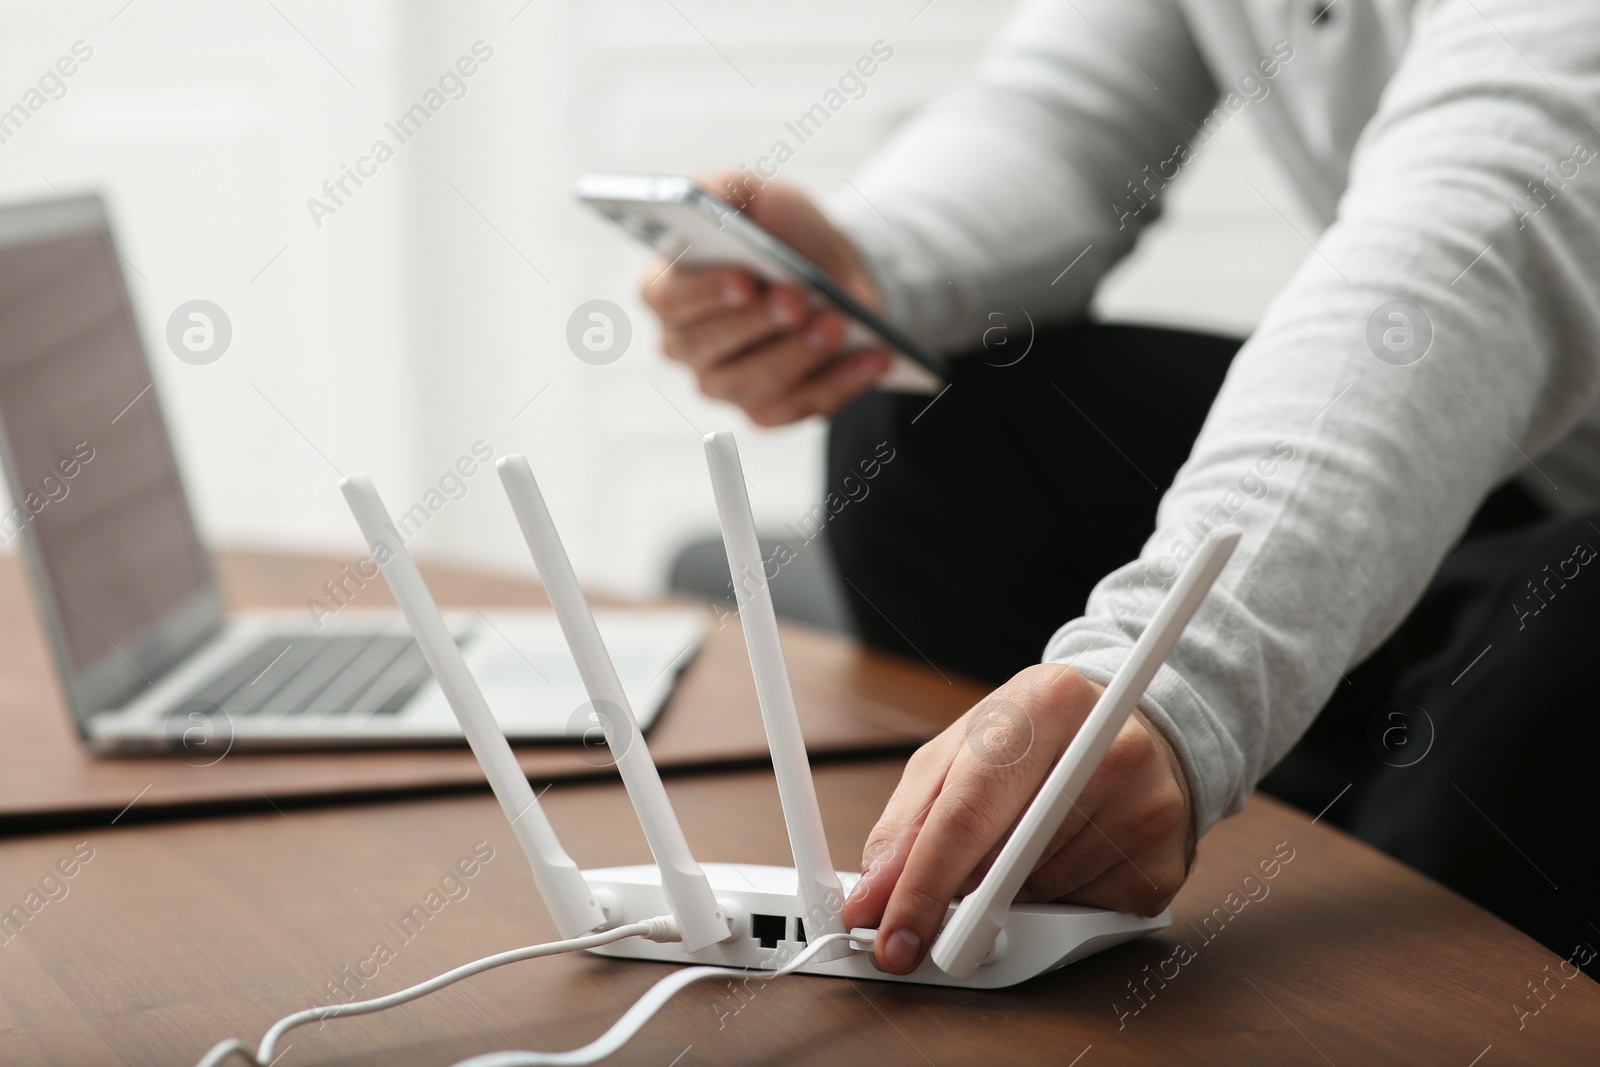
<point x="874" y="246"/>
<point x="1181" y="777"/>
<point x="1211" y="760"/>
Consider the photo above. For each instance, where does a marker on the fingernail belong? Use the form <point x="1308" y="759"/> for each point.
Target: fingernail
<point x="782" y="313"/>
<point x="868" y="368"/>
<point x="901" y="950"/>
<point x="819" y="338"/>
<point x="733" y="293"/>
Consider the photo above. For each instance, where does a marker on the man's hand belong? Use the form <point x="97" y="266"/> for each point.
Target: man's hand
<point x="761" y="346"/>
<point x="1126" y="845"/>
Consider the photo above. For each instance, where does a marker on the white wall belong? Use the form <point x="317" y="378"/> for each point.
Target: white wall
<point x="415" y="320"/>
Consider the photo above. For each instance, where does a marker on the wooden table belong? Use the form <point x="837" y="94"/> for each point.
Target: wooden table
<point x="852" y="701"/>
<point x="175" y="935"/>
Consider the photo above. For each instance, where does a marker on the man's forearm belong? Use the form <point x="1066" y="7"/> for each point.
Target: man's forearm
<point x="1351" y="451"/>
<point x="1050" y="155"/>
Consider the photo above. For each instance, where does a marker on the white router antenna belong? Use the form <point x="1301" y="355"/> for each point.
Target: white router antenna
<point x="971" y="932"/>
<point x="572" y="904"/>
<point x="700" y="918"/>
<point x="821" y="895"/>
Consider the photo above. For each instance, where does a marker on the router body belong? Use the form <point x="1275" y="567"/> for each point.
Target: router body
<point x="770" y="928"/>
<point x="760" y="917"/>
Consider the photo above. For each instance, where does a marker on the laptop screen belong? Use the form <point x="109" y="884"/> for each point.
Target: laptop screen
<point x="96" y="494"/>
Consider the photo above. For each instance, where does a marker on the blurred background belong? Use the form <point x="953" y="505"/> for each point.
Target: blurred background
<point x="428" y="311"/>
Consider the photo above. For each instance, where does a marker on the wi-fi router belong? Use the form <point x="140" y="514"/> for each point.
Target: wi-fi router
<point x="747" y="915"/>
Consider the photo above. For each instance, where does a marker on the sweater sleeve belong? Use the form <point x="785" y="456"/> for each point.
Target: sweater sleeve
<point x="1354" y="437"/>
<point x="1050" y="154"/>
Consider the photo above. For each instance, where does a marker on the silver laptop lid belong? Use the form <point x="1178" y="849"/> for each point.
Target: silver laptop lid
<point x="122" y="582"/>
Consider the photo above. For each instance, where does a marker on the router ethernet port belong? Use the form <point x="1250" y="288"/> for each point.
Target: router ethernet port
<point x="768" y="929"/>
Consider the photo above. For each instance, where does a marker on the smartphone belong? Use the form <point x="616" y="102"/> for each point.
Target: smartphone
<point x="690" y="226"/>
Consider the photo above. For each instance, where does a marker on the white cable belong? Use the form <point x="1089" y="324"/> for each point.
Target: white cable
<point x="635" y="1017"/>
<point x="660" y="928"/>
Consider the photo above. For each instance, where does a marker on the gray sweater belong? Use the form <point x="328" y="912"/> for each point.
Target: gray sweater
<point x="1450" y="148"/>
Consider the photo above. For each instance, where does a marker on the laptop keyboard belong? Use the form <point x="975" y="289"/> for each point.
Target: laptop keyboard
<point x="319" y="676"/>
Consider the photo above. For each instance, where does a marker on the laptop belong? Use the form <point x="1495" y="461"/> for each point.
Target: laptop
<point x="148" y="657"/>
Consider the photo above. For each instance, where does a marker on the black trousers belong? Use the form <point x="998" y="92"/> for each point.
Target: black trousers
<point x="1469" y="741"/>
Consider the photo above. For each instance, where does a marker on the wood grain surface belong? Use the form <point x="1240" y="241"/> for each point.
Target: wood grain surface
<point x="176" y="935"/>
<point x="852" y="700"/>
